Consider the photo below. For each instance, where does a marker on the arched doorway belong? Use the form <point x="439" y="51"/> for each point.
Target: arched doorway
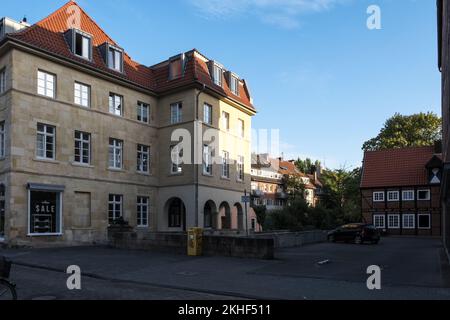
<point x="225" y="216"/>
<point x="240" y="216"/>
<point x="210" y="215"/>
<point x="176" y="212"/>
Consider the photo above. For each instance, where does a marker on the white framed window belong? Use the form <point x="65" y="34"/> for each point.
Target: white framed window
<point x="379" y="221"/>
<point x="240" y="168"/>
<point x="142" y="211"/>
<point x="394" y="221"/>
<point x="115" y="104"/>
<point x="143" y="112"/>
<point x="207" y="114"/>
<point x="225" y="165"/>
<point x="82" y="148"/>
<point x="115" y="59"/>
<point x="115" y="207"/>
<point x="234" y="85"/>
<point x="2" y="140"/>
<point x="2" y="80"/>
<point x="176" y="113"/>
<point x="217" y="75"/>
<point x="176" y="159"/>
<point x="46" y="84"/>
<point x="82" y="94"/>
<point x="226" y="121"/>
<point x="424" y="221"/>
<point x="44" y="212"/>
<point x="393" y="196"/>
<point x="241" y="128"/>
<point x="378" y="196"/>
<point x="408" y="195"/>
<point x="409" y="221"/>
<point x="207" y="160"/>
<point x="143" y="158"/>
<point x="115" y="153"/>
<point x="45" y="142"/>
<point x="83" y="45"/>
<point x="423" y="195"/>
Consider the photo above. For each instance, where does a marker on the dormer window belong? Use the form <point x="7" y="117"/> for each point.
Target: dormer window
<point x="83" y="45"/>
<point x="234" y="84"/>
<point x="115" y="59"/>
<point x="217" y="75"/>
<point x="80" y="43"/>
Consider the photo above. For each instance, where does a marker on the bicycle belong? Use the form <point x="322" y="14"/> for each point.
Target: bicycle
<point x="7" y="288"/>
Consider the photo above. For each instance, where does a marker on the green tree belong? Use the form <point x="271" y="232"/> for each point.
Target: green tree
<point x="342" y="195"/>
<point x="401" y="131"/>
<point x="295" y="187"/>
<point x="307" y="166"/>
<point x="261" y="214"/>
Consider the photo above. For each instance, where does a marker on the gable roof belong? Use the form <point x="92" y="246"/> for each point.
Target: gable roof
<point x="396" y="167"/>
<point x="48" y="35"/>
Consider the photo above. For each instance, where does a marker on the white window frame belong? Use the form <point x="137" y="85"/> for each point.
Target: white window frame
<point x="46" y="84"/>
<point x="429" y="220"/>
<point x="408" y="192"/>
<point x="207" y="114"/>
<point x="396" y="218"/>
<point x="2" y="80"/>
<point x="241" y="128"/>
<point x="82" y="94"/>
<point x="422" y="190"/>
<point x="116" y="151"/>
<point x="234" y="85"/>
<point x="176" y="113"/>
<point x="86" y="53"/>
<point x="84" y="143"/>
<point x="207" y="160"/>
<point x="225" y="165"/>
<point x="2" y="139"/>
<point x="142" y="151"/>
<point x="240" y="166"/>
<point x="176" y="168"/>
<point x="141" y="214"/>
<point x="45" y="136"/>
<point x="375" y="221"/>
<point x="391" y="193"/>
<point x="115" y="58"/>
<point x="226" y="121"/>
<point x="379" y="199"/>
<point x="116" y="104"/>
<point x="217" y="75"/>
<point x="143" y="112"/>
<point x="117" y="199"/>
<point x="406" y="218"/>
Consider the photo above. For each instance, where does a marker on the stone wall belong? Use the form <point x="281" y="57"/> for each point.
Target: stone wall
<point x="294" y="239"/>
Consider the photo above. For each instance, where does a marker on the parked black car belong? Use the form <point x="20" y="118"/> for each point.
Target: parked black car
<point x="356" y="232"/>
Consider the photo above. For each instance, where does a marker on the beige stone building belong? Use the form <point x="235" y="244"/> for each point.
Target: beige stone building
<point x="87" y="135"/>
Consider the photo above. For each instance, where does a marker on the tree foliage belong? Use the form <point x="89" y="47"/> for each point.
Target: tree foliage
<point x="401" y="131"/>
<point x="307" y="166"/>
<point x="261" y="214"/>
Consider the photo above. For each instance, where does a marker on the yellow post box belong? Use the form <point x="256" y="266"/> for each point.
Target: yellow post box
<point x="195" y="242"/>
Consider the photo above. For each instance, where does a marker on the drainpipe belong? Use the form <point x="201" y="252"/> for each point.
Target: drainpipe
<point x="197" y="101"/>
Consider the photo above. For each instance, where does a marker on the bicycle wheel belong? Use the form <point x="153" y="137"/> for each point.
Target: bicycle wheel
<point x="7" y="291"/>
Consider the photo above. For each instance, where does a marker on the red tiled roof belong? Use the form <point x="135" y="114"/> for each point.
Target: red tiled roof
<point x="396" y="167"/>
<point x="288" y="168"/>
<point x="48" y="35"/>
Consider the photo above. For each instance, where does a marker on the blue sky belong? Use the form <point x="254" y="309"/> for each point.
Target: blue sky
<point x="314" y="69"/>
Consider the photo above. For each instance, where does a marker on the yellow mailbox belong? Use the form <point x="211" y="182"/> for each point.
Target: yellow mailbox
<point x="195" y="239"/>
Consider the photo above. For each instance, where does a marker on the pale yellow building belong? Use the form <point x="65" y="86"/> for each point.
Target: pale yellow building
<point x="87" y="135"/>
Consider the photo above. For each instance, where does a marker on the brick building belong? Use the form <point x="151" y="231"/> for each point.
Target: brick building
<point x="400" y="191"/>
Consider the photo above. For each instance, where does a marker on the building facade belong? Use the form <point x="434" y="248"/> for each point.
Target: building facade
<point x="89" y="136"/>
<point x="443" y="18"/>
<point x="400" y="191"/>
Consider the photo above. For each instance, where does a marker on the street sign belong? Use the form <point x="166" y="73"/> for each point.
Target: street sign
<point x="246" y="199"/>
